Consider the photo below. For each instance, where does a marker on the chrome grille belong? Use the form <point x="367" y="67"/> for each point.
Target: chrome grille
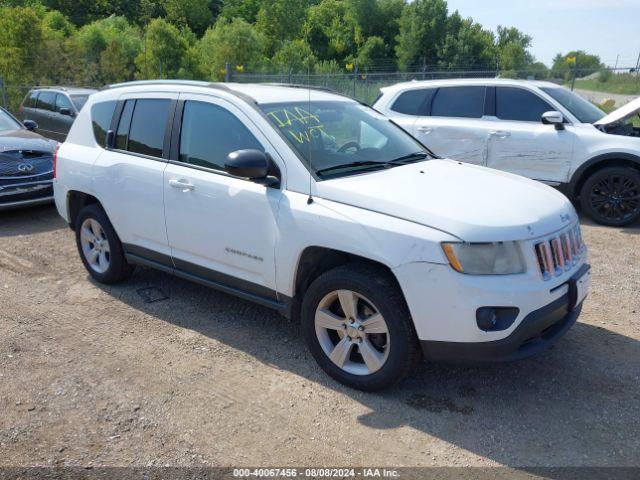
<point x="560" y="253"/>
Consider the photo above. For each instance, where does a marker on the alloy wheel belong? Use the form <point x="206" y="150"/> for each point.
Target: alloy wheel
<point x="352" y="332"/>
<point x="615" y="197"/>
<point x="95" y="246"/>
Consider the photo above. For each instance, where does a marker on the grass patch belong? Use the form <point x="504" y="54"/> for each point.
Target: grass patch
<point x="623" y="83"/>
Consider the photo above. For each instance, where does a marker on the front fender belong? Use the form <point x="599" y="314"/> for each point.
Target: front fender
<point x="388" y="240"/>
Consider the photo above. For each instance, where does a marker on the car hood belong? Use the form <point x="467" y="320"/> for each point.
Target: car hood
<point x="623" y="113"/>
<point x="13" y="140"/>
<point x="475" y="204"/>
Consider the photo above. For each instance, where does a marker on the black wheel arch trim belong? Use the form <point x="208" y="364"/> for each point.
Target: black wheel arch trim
<point x="577" y="179"/>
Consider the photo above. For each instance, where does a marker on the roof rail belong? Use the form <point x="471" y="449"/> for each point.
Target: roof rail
<point x="194" y="83"/>
<point x="299" y="85"/>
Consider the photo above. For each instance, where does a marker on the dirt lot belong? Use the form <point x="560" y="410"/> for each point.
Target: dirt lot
<point x="93" y="375"/>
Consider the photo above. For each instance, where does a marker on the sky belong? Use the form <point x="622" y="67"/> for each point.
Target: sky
<point x="604" y="27"/>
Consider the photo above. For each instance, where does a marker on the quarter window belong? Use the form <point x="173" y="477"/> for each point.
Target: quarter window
<point x="31" y="100"/>
<point x="463" y="102"/>
<point x="101" y="114"/>
<point x="414" y="102"/>
<point x="519" y="105"/>
<point x="46" y="101"/>
<point x="209" y="133"/>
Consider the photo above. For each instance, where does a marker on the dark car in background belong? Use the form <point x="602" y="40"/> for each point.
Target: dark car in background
<point x="26" y="164"/>
<point x="54" y="109"/>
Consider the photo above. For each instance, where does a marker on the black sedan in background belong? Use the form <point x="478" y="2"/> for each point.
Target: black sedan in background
<point x="26" y="164"/>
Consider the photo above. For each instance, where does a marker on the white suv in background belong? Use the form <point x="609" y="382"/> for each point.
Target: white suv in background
<point x="322" y="209"/>
<point x="536" y="129"/>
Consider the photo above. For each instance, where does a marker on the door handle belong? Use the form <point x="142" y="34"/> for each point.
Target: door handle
<point x="499" y="134"/>
<point x="425" y="129"/>
<point x="182" y="184"/>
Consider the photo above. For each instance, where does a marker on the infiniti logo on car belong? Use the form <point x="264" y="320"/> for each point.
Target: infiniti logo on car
<point x="25" y="167"/>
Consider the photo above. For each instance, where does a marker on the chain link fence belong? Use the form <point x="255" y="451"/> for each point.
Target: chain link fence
<point x="363" y="86"/>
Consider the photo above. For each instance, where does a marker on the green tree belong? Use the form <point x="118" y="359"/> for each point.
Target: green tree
<point x="331" y="30"/>
<point x="295" y="56"/>
<point x="583" y="62"/>
<point x="280" y="20"/>
<point x="467" y="46"/>
<point x="422" y="30"/>
<point x="166" y="52"/>
<point x="109" y="48"/>
<point x="236" y="42"/>
<point x="20" y="34"/>
<point x="372" y="51"/>
<point x="195" y="14"/>
<point x="245" y="9"/>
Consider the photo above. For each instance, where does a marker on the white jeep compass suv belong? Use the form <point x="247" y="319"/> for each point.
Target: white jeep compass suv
<point x="536" y="129"/>
<point x="312" y="204"/>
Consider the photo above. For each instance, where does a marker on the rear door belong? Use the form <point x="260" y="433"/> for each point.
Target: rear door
<point x="61" y="122"/>
<point x="27" y="109"/>
<point x="520" y="143"/>
<point x="43" y="111"/>
<point x="129" y="177"/>
<point x="221" y="228"/>
<point x="454" y="124"/>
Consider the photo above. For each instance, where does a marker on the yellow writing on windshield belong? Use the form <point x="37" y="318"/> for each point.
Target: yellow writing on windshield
<point x="299" y="123"/>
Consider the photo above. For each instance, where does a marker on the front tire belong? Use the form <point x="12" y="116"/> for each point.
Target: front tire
<point x="611" y="196"/>
<point x="99" y="246"/>
<point x="357" y="326"/>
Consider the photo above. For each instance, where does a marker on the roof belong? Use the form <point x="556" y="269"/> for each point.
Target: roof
<point x="465" y="81"/>
<point x="257" y="92"/>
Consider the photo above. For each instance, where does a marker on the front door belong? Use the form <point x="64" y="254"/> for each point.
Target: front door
<point x="221" y="228"/>
<point x="520" y="143"/>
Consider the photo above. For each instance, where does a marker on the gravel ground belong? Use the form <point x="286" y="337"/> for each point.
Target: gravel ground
<point x="92" y="375"/>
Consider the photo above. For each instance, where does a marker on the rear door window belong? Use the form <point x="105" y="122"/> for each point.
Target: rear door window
<point x="46" y="101"/>
<point x="518" y="104"/>
<point x="414" y="102"/>
<point x="461" y="102"/>
<point x="122" y="134"/>
<point x="148" y="125"/>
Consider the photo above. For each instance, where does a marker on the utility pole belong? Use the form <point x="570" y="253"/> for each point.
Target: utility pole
<point x="638" y="63"/>
<point x="616" y="66"/>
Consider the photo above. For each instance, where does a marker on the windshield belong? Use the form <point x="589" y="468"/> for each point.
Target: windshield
<point x="79" y="101"/>
<point x="583" y="110"/>
<point x="7" y="122"/>
<point x="330" y="134"/>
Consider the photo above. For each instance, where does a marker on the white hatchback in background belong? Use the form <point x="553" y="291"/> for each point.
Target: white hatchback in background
<point x="536" y="129"/>
<point x="309" y="203"/>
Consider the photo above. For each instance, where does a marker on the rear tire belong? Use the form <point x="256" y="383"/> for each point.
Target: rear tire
<point x="611" y="196"/>
<point x="99" y="246"/>
<point x="357" y="326"/>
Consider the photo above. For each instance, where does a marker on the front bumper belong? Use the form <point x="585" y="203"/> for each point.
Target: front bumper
<point x="536" y="332"/>
<point x="25" y="194"/>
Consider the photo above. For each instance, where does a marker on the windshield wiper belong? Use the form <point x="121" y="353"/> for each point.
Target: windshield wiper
<point x="412" y="157"/>
<point x="361" y="163"/>
<point x="403" y="160"/>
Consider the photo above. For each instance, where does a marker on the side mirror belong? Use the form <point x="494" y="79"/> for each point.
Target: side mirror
<point x="30" y="125"/>
<point x="65" y="111"/>
<point x="553" y="118"/>
<point x="254" y="165"/>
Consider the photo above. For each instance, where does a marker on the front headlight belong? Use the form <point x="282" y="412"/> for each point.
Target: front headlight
<point x="500" y="258"/>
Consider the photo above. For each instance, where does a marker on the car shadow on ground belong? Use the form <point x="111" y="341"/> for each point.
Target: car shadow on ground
<point x="633" y="229"/>
<point x="576" y="404"/>
<point x="30" y="221"/>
